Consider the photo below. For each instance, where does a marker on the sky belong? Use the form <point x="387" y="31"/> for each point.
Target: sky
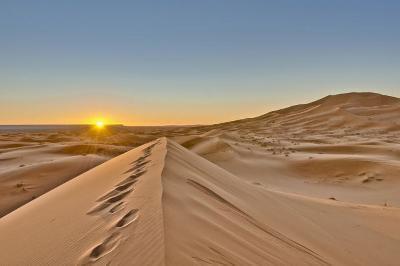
<point x="189" y="61"/>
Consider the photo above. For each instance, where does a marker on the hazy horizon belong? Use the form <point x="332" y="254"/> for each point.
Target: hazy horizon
<point x="90" y="123"/>
<point x="188" y="62"/>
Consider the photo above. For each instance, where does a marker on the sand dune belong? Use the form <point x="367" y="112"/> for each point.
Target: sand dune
<point x="312" y="184"/>
<point x="162" y="204"/>
<point x="28" y="171"/>
<point x="21" y="185"/>
<point x="93" y="216"/>
<point x="368" y="112"/>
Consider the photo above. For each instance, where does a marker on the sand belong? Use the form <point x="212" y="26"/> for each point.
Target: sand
<point x="162" y="204"/>
<point x="27" y="172"/>
<point x="313" y="184"/>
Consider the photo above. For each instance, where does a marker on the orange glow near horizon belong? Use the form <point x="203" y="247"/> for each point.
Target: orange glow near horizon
<point x="157" y="115"/>
<point x="99" y="121"/>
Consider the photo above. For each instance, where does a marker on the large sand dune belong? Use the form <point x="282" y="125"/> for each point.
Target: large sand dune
<point x="312" y="184"/>
<point x="162" y="204"/>
<point x="368" y="113"/>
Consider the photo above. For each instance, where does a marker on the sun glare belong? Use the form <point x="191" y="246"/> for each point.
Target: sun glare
<point x="99" y="124"/>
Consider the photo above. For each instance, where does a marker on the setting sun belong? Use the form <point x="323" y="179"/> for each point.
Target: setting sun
<point x="99" y="124"/>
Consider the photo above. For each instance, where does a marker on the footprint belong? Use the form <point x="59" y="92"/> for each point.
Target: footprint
<point x="98" y="208"/>
<point x="138" y="171"/>
<point x="137" y="174"/>
<point x="134" y="170"/>
<point x="119" y="197"/>
<point x="136" y="167"/>
<point x="116" y="191"/>
<point x="132" y="178"/>
<point x="107" y="246"/>
<point x="140" y="159"/>
<point x="128" y="218"/>
<point x="147" y="153"/>
<point x="109" y="202"/>
<point x="117" y="207"/>
<point x="149" y="148"/>
<point x="125" y="186"/>
<point x="127" y="181"/>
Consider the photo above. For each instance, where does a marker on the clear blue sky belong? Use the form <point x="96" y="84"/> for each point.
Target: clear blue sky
<point x="179" y="62"/>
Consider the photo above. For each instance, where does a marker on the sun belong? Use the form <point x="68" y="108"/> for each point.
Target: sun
<point x="99" y="124"/>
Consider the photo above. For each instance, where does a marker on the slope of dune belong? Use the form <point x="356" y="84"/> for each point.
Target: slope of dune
<point x="344" y="146"/>
<point x="27" y="172"/>
<point x="22" y="184"/>
<point x="368" y="112"/>
<point x="160" y="204"/>
<point x="110" y="213"/>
